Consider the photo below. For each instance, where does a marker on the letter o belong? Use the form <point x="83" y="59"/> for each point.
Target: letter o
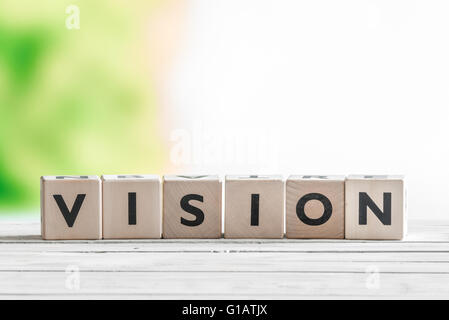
<point x="314" y="196"/>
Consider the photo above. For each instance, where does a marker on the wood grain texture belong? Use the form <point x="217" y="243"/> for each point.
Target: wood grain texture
<point x="87" y="224"/>
<point x="415" y="268"/>
<point x="238" y="207"/>
<point x="147" y="213"/>
<point x="331" y="187"/>
<point x="375" y="187"/>
<point x="174" y="189"/>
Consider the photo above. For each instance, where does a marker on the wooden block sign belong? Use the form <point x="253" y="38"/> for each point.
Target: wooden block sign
<point x="315" y="207"/>
<point x="131" y="207"/>
<point x="192" y="206"/>
<point x="375" y="207"/>
<point x="71" y="207"/>
<point x="254" y="207"/>
<point x="140" y="207"/>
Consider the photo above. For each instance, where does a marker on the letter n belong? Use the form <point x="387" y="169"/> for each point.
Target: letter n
<point x="366" y="202"/>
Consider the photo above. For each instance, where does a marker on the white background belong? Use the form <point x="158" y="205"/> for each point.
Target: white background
<point x="316" y="87"/>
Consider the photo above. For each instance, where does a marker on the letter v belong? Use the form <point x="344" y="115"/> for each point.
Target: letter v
<point x="69" y="216"/>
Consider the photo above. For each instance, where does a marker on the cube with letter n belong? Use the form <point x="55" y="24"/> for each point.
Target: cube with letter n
<point x="375" y="207"/>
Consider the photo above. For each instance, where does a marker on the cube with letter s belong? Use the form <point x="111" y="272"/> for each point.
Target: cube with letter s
<point x="191" y="206"/>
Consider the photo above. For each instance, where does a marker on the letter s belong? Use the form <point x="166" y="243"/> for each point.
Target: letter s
<point x="198" y="213"/>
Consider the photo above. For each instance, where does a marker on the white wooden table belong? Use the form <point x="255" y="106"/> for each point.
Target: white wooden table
<point x="417" y="267"/>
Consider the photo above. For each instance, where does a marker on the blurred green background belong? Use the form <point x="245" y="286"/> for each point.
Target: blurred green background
<point x="74" y="101"/>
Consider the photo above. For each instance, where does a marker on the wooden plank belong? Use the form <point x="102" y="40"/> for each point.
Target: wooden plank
<point x="225" y="246"/>
<point x="28" y="230"/>
<point x="234" y="269"/>
<point x="221" y="285"/>
<point x="232" y="263"/>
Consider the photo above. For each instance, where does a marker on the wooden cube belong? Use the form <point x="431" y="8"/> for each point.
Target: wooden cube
<point x="315" y="207"/>
<point x="254" y="207"/>
<point x="192" y="206"/>
<point x="132" y="207"/>
<point x="375" y="207"/>
<point x="71" y="207"/>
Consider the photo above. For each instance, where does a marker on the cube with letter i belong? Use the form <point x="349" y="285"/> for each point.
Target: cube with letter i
<point x="192" y="206"/>
<point x="71" y="207"/>
<point x="375" y="207"/>
<point x="132" y="207"/>
<point x="254" y="207"/>
<point x="315" y="207"/>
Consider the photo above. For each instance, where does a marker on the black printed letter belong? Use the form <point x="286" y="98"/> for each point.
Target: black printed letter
<point x="314" y="196"/>
<point x="254" y="209"/>
<point x="69" y="216"/>
<point x="365" y="201"/>
<point x="132" y="208"/>
<point x="186" y="206"/>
